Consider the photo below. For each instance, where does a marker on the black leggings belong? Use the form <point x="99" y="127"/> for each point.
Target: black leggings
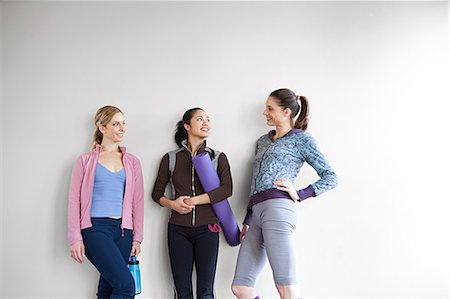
<point x="186" y="246"/>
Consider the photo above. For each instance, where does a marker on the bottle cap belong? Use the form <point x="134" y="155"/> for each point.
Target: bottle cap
<point x="133" y="260"/>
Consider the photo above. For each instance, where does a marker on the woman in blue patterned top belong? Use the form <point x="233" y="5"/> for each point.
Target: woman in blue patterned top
<point x="271" y="215"/>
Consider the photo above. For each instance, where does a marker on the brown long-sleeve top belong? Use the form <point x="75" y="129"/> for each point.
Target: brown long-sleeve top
<point x="186" y="185"/>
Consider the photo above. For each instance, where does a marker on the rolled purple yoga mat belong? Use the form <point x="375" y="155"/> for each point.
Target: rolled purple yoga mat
<point x="210" y="181"/>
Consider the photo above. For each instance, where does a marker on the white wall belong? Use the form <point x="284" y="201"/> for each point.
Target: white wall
<point x="375" y="73"/>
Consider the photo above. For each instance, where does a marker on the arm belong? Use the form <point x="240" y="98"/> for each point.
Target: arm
<point x="316" y="159"/>
<point x="160" y="186"/>
<point x="249" y="215"/>
<point x="181" y="204"/>
<point x="73" y="212"/>
<point x="220" y="193"/>
<point x="198" y="200"/>
<point x="328" y="178"/>
<point x="161" y="180"/>
<point x="138" y="203"/>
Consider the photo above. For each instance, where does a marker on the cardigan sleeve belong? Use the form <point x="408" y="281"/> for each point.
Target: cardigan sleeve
<point x="74" y="205"/>
<point x="138" y="203"/>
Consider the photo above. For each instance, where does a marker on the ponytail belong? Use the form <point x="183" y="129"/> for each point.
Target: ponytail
<point x="181" y="133"/>
<point x="97" y="138"/>
<point x="303" y="119"/>
<point x="286" y="98"/>
<point x="102" y="118"/>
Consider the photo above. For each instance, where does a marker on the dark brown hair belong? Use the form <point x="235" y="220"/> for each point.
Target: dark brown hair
<point x="181" y="133"/>
<point x="286" y="98"/>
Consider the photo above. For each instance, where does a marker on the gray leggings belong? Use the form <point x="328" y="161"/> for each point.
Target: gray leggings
<point x="269" y="237"/>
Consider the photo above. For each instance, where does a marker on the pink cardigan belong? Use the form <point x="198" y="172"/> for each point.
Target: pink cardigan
<point x="80" y="195"/>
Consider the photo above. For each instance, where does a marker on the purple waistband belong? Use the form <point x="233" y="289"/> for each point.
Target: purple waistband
<point x="268" y="194"/>
<point x="275" y="193"/>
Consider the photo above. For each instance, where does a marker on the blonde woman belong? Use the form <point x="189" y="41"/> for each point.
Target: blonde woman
<point x="106" y="208"/>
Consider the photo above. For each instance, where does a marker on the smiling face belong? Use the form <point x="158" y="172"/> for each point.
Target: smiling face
<point x="199" y="126"/>
<point x="275" y="114"/>
<point x="115" y="129"/>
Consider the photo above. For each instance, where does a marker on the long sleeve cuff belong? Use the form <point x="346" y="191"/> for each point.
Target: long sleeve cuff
<point x="248" y="217"/>
<point x="306" y="193"/>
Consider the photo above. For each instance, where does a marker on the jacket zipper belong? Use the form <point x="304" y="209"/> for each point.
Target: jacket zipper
<point x="192" y="184"/>
<point x="193" y="194"/>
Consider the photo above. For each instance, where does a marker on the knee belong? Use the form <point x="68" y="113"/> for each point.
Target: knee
<point x="281" y="292"/>
<point x="288" y="292"/>
<point x="239" y="291"/>
<point x="126" y="287"/>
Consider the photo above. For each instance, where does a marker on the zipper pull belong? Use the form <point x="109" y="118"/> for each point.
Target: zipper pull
<point x="122" y="233"/>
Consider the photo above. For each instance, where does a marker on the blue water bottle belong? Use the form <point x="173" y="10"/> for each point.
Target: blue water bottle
<point x="133" y="265"/>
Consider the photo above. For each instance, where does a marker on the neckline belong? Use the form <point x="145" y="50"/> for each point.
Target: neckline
<point x="201" y="148"/>
<point x="272" y="133"/>
<point x="113" y="172"/>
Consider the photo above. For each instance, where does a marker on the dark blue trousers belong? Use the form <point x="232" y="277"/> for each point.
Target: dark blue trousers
<point x="189" y="245"/>
<point x="108" y="248"/>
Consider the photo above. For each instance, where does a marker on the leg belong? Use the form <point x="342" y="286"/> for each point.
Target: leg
<point x="278" y="226"/>
<point x="104" y="289"/>
<point x="243" y="292"/>
<point x="181" y="252"/>
<point x="124" y="241"/>
<point x="206" y="248"/>
<point x="251" y="260"/>
<point x="116" y="280"/>
<point x="288" y="291"/>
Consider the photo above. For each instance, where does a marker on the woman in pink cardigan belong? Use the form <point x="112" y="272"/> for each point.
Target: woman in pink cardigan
<point x="106" y="207"/>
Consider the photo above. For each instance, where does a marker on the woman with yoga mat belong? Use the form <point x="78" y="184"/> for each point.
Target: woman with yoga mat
<point x="193" y="232"/>
<point x="106" y="206"/>
<point x="271" y="217"/>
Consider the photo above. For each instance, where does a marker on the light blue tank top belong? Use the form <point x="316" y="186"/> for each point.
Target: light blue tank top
<point x="107" y="197"/>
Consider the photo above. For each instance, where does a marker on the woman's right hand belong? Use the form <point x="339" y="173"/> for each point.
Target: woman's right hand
<point x="244" y="230"/>
<point x="77" y="251"/>
<point x="180" y="206"/>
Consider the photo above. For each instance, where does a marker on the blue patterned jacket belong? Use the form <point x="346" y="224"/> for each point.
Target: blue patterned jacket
<point x="283" y="158"/>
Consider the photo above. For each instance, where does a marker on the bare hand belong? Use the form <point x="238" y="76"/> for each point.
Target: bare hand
<point x="198" y="200"/>
<point x="135" y="248"/>
<point x="77" y="251"/>
<point x="285" y="185"/>
<point x="180" y="206"/>
<point x="190" y="201"/>
<point x="244" y="230"/>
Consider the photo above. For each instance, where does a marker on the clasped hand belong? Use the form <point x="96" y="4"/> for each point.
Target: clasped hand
<point x="182" y="205"/>
<point x="286" y="185"/>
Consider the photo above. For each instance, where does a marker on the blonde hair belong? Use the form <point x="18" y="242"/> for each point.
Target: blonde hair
<point x="102" y="118"/>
